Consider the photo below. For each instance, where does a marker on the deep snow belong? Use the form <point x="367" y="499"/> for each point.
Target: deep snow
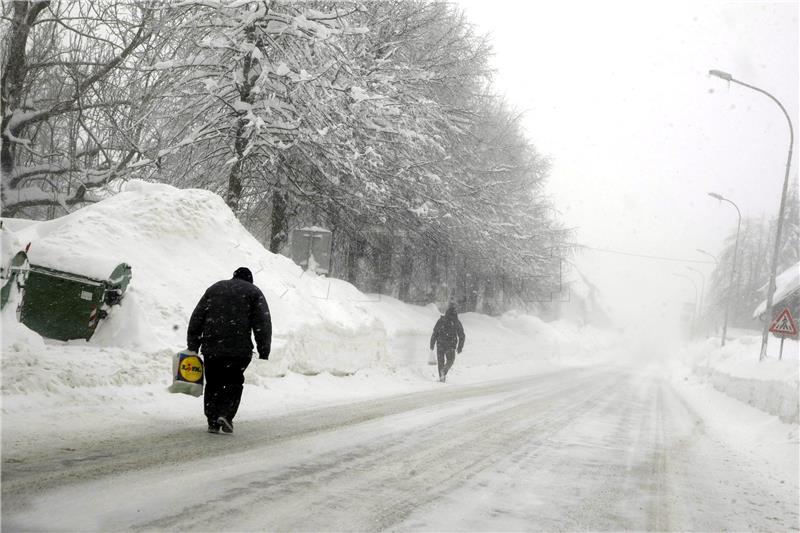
<point x="332" y="343"/>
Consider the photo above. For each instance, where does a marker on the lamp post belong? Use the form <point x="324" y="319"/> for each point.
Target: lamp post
<point x="702" y="297"/>
<point x="702" y="286"/>
<point x="712" y="256"/>
<point x="694" y="307"/>
<point x="733" y="264"/>
<point x="709" y="255"/>
<point x="774" y="267"/>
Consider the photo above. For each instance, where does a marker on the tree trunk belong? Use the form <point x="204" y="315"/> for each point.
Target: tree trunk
<point x="235" y="181"/>
<point x="434" y="279"/>
<point x="382" y="258"/>
<point x="279" y="219"/>
<point x="15" y="70"/>
<point x="354" y="251"/>
<point x="235" y="177"/>
<point x="480" y="292"/>
<point x="406" y="270"/>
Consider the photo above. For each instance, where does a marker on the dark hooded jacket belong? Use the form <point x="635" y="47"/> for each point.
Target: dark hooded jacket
<point x="226" y="314"/>
<point x="448" y="332"/>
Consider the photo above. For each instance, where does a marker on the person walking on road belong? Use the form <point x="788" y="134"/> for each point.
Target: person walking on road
<point x="448" y="336"/>
<point x="220" y="325"/>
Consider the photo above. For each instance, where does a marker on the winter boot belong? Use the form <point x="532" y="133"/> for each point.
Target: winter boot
<point x="225" y="425"/>
<point x="213" y="427"/>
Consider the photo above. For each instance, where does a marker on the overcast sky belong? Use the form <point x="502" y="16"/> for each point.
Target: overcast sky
<point x="618" y="95"/>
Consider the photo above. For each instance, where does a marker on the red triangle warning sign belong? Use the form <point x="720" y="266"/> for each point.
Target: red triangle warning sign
<point x="784" y="325"/>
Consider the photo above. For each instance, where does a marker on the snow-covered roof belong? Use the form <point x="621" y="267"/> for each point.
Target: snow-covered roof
<point x="787" y="283"/>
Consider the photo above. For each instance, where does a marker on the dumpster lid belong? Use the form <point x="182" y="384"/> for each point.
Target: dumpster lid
<point x="66" y="275"/>
<point x="74" y="262"/>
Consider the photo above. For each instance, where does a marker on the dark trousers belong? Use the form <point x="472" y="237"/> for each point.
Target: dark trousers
<point x="224" y="384"/>
<point x="445" y="357"/>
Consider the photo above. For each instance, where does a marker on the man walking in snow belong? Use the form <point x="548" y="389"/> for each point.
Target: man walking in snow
<point x="221" y="324"/>
<point x="448" y="336"/>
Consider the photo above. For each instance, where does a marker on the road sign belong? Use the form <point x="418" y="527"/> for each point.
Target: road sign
<point x="784" y="325"/>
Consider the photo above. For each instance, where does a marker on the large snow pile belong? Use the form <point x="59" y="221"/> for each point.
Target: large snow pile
<point x="770" y="385"/>
<point x="178" y="242"/>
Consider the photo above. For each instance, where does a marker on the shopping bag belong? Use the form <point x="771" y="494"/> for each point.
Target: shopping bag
<point x="432" y="358"/>
<point x="187" y="373"/>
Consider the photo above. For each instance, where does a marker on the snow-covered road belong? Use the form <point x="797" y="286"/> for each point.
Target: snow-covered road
<point x="576" y="449"/>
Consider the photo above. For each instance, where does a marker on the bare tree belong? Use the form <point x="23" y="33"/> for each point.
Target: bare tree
<point x="72" y="89"/>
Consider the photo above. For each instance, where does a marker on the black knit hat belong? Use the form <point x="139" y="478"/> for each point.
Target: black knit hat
<point x="243" y="273"/>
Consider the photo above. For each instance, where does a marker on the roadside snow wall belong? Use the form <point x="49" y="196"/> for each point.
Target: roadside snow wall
<point x="770" y="385"/>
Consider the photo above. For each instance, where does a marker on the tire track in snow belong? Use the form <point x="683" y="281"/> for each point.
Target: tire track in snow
<point x="83" y="458"/>
<point x="375" y="484"/>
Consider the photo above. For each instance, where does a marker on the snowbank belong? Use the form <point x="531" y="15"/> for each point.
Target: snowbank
<point x="178" y="242"/>
<point x="770" y="385"/>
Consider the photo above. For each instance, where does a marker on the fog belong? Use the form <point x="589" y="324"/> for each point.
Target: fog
<point x="618" y="95"/>
<point x="341" y="153"/>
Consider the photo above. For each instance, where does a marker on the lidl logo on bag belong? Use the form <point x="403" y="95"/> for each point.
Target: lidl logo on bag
<point x="191" y="369"/>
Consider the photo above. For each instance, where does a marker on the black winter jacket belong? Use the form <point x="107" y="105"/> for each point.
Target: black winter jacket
<point x="448" y="333"/>
<point x="225" y="315"/>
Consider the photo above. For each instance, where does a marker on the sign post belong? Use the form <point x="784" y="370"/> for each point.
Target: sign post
<point x="784" y="326"/>
<point x="311" y="249"/>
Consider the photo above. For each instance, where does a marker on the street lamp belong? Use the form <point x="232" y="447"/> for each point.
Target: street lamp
<point x="694" y="307"/>
<point x="724" y="75"/>
<point x="712" y="256"/>
<point x="702" y="286"/>
<point x="774" y="267"/>
<point x="733" y="265"/>
<point x="702" y="294"/>
<point x="708" y="254"/>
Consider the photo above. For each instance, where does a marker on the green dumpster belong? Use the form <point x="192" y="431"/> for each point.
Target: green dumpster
<point x="63" y="305"/>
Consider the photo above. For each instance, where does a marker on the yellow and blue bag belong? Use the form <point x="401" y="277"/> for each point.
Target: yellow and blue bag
<point x="187" y="373"/>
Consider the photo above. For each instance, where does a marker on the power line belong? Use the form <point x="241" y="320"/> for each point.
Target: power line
<point x="657" y="257"/>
